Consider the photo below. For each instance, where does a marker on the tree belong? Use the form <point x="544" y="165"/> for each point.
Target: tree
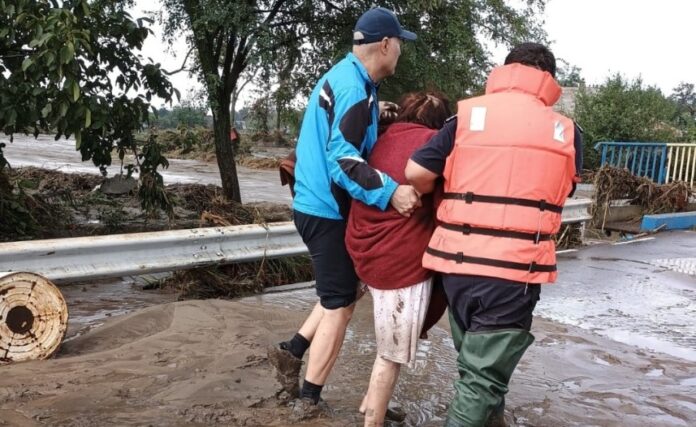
<point x="70" y="67"/>
<point x="569" y="75"/>
<point x="297" y="40"/>
<point x="626" y="111"/>
<point x="188" y="116"/>
<point x="684" y="97"/>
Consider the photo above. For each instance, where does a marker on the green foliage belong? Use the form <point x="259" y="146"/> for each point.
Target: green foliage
<point x="568" y="75"/>
<point x="294" y="41"/>
<point x="17" y="221"/>
<point x="71" y="67"/>
<point x="684" y="97"/>
<point x="179" y="116"/>
<point x="151" y="190"/>
<point x="626" y="111"/>
<point x="259" y="117"/>
<point x="450" y="53"/>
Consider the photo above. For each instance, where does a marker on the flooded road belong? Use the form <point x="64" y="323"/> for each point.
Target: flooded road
<point x="641" y="293"/>
<point x="91" y="304"/>
<point x="44" y="152"/>
<point x="615" y="338"/>
<point x="614" y="342"/>
<point x="570" y="376"/>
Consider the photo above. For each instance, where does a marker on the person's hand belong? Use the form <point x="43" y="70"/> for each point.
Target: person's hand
<point x="388" y="111"/>
<point x="405" y="200"/>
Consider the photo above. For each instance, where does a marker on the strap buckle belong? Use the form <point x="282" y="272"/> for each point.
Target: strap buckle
<point x="542" y="205"/>
<point x="532" y="267"/>
<point x="466" y="229"/>
<point x="460" y="258"/>
<point x="469" y="197"/>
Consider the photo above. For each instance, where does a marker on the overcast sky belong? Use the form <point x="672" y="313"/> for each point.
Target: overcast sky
<point x="652" y="38"/>
<point x="648" y="38"/>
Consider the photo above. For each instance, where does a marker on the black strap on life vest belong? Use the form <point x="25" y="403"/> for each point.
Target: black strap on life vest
<point x="468" y="229"/>
<point x="460" y="258"/>
<point x="470" y="197"/>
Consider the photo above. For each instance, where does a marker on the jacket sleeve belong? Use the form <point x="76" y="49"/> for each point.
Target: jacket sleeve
<point x="348" y="169"/>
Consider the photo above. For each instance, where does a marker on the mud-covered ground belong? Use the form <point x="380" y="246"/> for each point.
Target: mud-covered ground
<point x="204" y="363"/>
<point x="256" y="185"/>
<point x="614" y="344"/>
<point x="614" y="347"/>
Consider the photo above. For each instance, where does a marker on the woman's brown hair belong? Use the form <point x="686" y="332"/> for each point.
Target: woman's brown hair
<point x="429" y="109"/>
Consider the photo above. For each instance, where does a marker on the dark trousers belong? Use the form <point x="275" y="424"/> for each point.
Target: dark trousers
<point x="481" y="303"/>
<point x="490" y="320"/>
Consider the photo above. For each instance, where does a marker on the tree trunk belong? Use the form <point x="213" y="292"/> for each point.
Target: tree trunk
<point x="233" y="109"/>
<point x="279" y="110"/>
<point x="224" y="152"/>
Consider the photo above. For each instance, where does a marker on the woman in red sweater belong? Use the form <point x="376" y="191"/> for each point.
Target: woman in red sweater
<point x="387" y="249"/>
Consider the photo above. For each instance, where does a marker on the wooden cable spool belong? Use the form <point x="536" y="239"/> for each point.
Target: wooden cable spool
<point x="33" y="317"/>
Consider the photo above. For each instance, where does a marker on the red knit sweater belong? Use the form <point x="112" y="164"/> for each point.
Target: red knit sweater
<point x="387" y="248"/>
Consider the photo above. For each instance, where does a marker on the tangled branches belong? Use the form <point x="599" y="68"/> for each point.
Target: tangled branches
<point x="614" y="183"/>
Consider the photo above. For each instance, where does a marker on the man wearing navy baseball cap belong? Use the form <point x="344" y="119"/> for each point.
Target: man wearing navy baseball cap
<point x="378" y="23"/>
<point x="338" y="132"/>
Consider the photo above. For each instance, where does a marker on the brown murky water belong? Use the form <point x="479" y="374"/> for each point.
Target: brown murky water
<point x="568" y="377"/>
<point x="44" y="152"/>
<point x="615" y="347"/>
<point x="580" y="371"/>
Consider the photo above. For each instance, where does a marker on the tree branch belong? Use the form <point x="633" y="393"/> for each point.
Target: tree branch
<point x="246" y="82"/>
<point x="239" y="64"/>
<point x="183" y="65"/>
<point x="274" y="11"/>
<point x="220" y="37"/>
<point x="331" y="5"/>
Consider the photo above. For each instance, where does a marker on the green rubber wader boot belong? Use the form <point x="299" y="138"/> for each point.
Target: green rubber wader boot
<point x="486" y="362"/>
<point x="497" y="418"/>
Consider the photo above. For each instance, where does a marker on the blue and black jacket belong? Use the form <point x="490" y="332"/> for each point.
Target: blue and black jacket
<point x="338" y="132"/>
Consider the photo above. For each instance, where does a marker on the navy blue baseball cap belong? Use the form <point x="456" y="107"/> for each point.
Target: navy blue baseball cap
<point x="378" y="23"/>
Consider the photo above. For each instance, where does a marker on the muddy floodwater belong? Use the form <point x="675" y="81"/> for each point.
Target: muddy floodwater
<point x="615" y="343"/>
<point x="45" y="153"/>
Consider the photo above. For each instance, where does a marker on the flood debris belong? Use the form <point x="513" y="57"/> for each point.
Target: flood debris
<point x="42" y="204"/>
<point x="613" y="183"/>
<point x="199" y="143"/>
<point x="569" y="236"/>
<point x="237" y="280"/>
<point x="57" y="204"/>
<point x="253" y="162"/>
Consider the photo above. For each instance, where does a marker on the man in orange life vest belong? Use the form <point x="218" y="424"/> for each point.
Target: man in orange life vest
<point x="509" y="162"/>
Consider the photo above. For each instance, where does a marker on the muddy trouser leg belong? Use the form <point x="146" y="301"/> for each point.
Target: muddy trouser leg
<point x="490" y="322"/>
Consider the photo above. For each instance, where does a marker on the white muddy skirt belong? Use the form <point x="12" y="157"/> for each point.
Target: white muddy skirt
<point x="399" y="316"/>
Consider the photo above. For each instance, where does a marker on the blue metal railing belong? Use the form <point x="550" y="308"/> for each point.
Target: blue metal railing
<point x="647" y="159"/>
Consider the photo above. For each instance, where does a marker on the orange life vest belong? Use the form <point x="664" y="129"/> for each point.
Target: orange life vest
<point x="506" y="180"/>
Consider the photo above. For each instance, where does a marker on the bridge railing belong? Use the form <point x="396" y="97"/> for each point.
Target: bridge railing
<point x="681" y="163"/>
<point x="648" y="159"/>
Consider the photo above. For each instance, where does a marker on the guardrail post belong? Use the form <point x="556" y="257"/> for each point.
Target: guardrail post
<point x="664" y="160"/>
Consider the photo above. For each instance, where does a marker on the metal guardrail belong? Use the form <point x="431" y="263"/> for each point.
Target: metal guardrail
<point x="681" y="163"/>
<point x="85" y="258"/>
<point x="646" y="159"/>
<point x="659" y="161"/>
